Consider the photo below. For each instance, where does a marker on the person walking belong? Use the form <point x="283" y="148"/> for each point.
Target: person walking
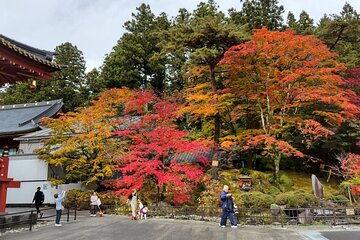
<point x="227" y="206"/>
<point x="132" y="201"/>
<point x="59" y="207"/>
<point x="39" y="200"/>
<point x="93" y="204"/>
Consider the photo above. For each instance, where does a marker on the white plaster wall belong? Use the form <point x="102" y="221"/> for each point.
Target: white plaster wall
<point x="25" y="194"/>
<point x="27" y="167"/>
<point x="28" y="147"/>
<point x="33" y="173"/>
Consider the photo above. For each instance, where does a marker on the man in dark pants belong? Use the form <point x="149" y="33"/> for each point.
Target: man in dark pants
<point x="227" y="206"/>
<point x="39" y="199"/>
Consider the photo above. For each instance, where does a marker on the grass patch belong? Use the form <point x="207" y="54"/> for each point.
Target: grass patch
<point x="302" y="181"/>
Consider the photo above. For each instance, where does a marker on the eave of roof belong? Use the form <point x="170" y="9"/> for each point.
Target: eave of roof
<point x="23" y="51"/>
<point x="41" y="134"/>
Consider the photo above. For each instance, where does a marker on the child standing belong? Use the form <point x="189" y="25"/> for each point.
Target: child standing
<point x="143" y="210"/>
<point x="98" y="202"/>
<point x="59" y="207"/>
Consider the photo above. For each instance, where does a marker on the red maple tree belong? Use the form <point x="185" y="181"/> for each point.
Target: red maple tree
<point x="353" y="82"/>
<point x="154" y="149"/>
<point x="351" y="172"/>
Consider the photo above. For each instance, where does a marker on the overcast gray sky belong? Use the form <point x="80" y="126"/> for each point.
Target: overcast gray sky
<point x="94" y="26"/>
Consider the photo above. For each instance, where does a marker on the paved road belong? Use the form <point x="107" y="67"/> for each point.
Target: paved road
<point x="119" y="227"/>
<point x="323" y="232"/>
<point x="342" y="235"/>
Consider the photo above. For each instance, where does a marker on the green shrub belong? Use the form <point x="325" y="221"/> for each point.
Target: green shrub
<point x="296" y="199"/>
<point x="260" y="177"/>
<point x="228" y="177"/>
<point x="238" y="198"/>
<point x="210" y="197"/>
<point x="286" y="182"/>
<point x="282" y="198"/>
<point x="266" y="188"/>
<point x="273" y="191"/>
<point x="302" y="199"/>
<point x="244" y="171"/>
<point x="256" y="199"/>
<point x="81" y="199"/>
<point x="341" y="199"/>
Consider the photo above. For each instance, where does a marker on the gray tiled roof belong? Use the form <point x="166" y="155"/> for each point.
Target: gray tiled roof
<point x="191" y="157"/>
<point x="23" y="118"/>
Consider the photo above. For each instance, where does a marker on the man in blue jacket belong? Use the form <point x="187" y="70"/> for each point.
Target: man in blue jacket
<point x="227" y="206"/>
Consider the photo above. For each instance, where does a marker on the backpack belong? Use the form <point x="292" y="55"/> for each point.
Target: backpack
<point x="229" y="204"/>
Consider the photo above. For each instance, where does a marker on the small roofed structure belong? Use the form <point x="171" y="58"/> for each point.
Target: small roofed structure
<point x="20" y="62"/>
<point x="245" y="183"/>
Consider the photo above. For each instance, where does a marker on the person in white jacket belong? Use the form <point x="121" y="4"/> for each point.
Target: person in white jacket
<point x="59" y="207"/>
<point x="93" y="204"/>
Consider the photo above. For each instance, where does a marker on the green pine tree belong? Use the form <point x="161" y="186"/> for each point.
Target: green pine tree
<point x="259" y="13"/>
<point x="341" y="33"/>
<point x="204" y="38"/>
<point x="130" y="63"/>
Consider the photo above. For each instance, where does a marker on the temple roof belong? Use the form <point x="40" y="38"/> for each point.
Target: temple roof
<point x="192" y="158"/>
<point x="20" y="62"/>
<point x="38" y="135"/>
<point x="23" y="118"/>
<point x="40" y="54"/>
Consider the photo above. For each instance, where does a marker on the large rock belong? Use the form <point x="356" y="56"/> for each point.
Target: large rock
<point x="306" y="217"/>
<point x="275" y="209"/>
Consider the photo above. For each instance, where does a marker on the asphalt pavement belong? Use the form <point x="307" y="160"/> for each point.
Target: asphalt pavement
<point x="120" y="227"/>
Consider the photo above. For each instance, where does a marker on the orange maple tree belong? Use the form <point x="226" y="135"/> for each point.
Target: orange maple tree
<point x="82" y="142"/>
<point x="132" y="132"/>
<point x="290" y="83"/>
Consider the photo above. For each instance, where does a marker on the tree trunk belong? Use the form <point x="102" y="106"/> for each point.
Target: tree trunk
<point x="348" y="188"/>
<point x="277" y="168"/>
<point x="158" y="196"/>
<point x="349" y="192"/>
<point x="217" y="125"/>
<point x="262" y="117"/>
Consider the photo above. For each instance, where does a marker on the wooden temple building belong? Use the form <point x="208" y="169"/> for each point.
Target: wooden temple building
<point x="20" y="62"/>
<point x="20" y="123"/>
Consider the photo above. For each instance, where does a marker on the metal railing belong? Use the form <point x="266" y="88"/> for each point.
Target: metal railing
<point x="30" y="218"/>
<point x="256" y="216"/>
<point x="247" y="216"/>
